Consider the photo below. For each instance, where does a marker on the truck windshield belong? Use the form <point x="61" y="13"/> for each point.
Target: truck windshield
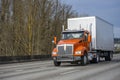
<point x="72" y="35"/>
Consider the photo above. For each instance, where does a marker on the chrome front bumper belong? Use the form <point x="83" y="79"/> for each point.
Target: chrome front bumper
<point x="66" y="59"/>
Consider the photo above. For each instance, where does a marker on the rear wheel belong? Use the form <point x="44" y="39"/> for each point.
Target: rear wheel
<point x="84" y="60"/>
<point x="57" y="63"/>
<point x="109" y="57"/>
<point x="97" y="59"/>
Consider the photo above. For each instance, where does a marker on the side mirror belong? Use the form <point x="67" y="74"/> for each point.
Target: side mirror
<point x="55" y="40"/>
<point x="89" y="38"/>
<point x="52" y="41"/>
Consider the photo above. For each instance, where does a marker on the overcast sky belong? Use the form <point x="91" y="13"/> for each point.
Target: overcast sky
<point x="108" y="10"/>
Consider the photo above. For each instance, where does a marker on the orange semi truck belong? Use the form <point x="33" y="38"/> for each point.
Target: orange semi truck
<point x="86" y="40"/>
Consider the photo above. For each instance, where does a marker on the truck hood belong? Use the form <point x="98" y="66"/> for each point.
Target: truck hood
<point x="69" y="41"/>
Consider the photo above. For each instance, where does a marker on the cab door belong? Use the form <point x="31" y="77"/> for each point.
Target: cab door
<point x="86" y="43"/>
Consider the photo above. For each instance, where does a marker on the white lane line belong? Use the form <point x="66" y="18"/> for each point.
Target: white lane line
<point x="98" y="69"/>
<point x="18" y="70"/>
<point x="22" y="72"/>
<point x="69" y="72"/>
<point x="24" y="65"/>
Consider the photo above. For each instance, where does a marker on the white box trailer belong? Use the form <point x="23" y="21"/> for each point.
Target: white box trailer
<point x="101" y="31"/>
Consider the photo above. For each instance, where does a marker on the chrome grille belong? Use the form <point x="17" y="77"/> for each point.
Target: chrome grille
<point x="65" y="49"/>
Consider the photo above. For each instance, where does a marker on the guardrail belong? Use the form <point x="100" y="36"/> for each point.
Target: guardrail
<point x="116" y="52"/>
<point x="13" y="59"/>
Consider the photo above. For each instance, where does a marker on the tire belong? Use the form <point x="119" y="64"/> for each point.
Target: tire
<point x="109" y="57"/>
<point x="57" y="63"/>
<point x="84" y="60"/>
<point x="97" y="59"/>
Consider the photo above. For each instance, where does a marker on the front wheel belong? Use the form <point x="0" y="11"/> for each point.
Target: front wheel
<point x="84" y="60"/>
<point x="57" y="63"/>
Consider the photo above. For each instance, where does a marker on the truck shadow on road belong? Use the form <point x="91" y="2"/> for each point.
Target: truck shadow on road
<point x="91" y="64"/>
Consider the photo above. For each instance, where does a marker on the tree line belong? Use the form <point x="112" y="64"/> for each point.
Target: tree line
<point x="27" y="27"/>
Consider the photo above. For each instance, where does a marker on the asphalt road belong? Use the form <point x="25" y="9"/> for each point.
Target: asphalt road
<point x="45" y="70"/>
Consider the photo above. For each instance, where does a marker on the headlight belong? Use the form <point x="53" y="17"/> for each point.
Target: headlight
<point x="78" y="52"/>
<point x="54" y="58"/>
<point x="54" y="53"/>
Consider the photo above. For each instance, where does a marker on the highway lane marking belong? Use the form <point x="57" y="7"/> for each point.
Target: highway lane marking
<point x="24" y="64"/>
<point x="23" y="72"/>
<point x="99" y="69"/>
<point x="38" y="69"/>
<point x="18" y="70"/>
<point x="69" y="72"/>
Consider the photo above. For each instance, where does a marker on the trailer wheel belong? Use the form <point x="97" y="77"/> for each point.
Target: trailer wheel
<point x="109" y="57"/>
<point x="84" y="60"/>
<point x="57" y="63"/>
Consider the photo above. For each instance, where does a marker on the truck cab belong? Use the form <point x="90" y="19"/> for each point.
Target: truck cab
<point x="73" y="47"/>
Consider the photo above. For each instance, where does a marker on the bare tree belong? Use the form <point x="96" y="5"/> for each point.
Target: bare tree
<point x="27" y="27"/>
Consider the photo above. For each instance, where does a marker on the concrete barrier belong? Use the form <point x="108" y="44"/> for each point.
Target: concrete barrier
<point x="13" y="59"/>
